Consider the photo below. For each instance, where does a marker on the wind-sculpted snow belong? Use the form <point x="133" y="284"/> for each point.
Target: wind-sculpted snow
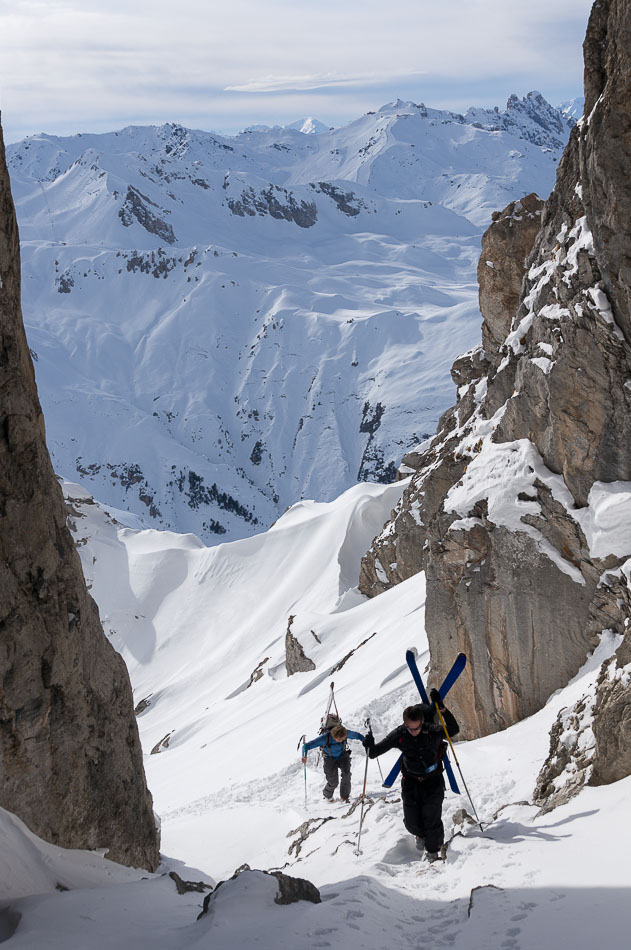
<point x="222" y="326"/>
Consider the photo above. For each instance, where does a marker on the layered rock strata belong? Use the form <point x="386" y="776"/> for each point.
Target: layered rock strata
<point x="70" y="755"/>
<point x="519" y="510"/>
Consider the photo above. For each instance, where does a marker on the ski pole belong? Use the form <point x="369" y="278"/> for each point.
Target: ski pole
<point x="361" y="818"/>
<point x="378" y="762"/>
<point x="453" y="752"/>
<point x="367" y="724"/>
<point x="301" y="741"/>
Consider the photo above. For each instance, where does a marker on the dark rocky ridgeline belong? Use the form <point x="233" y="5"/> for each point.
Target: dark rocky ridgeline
<point x="70" y="756"/>
<point x="277" y="202"/>
<point x="496" y="511"/>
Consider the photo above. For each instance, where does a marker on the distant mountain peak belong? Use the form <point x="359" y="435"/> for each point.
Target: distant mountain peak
<point x="533" y="108"/>
<point x="399" y="105"/>
<point x="309" y="126"/>
<point x="572" y="109"/>
<point x="531" y="118"/>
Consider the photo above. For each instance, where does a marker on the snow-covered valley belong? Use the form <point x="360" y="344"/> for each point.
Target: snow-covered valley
<point x="222" y="326"/>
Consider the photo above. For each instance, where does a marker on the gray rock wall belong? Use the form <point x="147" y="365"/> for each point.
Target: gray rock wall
<point x="505" y="247"/>
<point x="612" y="721"/>
<point x="70" y="756"/>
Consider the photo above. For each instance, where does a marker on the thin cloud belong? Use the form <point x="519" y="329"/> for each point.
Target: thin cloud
<point x="300" y="83"/>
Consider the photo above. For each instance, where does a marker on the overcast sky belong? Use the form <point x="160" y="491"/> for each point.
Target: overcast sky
<point x="93" y="65"/>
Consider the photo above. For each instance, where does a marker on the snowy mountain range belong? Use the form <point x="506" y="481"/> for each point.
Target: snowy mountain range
<point x="222" y="326"/>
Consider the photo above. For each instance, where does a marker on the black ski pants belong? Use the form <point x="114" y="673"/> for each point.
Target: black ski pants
<point x="333" y="768"/>
<point x="422" y="809"/>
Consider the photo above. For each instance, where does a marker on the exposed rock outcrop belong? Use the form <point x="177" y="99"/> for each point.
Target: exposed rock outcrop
<point x="70" y="755"/>
<point x="612" y="718"/>
<point x="517" y="507"/>
<point x="590" y="744"/>
<point x="505" y="247"/>
<point x="136" y="207"/>
<point x="296" y="660"/>
<point x="569" y="763"/>
<point x="289" y="890"/>
<point x="277" y="202"/>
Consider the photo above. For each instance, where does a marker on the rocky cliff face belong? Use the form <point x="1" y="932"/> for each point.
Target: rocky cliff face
<point x="70" y="756"/>
<point x="501" y="268"/>
<point x="519" y="510"/>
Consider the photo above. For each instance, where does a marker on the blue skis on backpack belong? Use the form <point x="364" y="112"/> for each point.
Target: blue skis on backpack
<point x="453" y="674"/>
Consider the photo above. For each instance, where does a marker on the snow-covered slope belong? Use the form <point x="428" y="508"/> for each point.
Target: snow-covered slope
<point x="222" y="326"/>
<point x="194" y="624"/>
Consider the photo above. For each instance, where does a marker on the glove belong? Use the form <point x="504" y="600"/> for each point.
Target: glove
<point x="436" y="698"/>
<point x="368" y="741"/>
<point x="304" y="760"/>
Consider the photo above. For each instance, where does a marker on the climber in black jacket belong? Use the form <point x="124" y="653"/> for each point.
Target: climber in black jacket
<point x="421" y="741"/>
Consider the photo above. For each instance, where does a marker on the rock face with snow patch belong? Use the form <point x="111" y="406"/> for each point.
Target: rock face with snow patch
<point x="70" y="755"/>
<point x="296" y="660"/>
<point x="251" y="883"/>
<point x="399" y="552"/>
<point x="590" y="743"/>
<point x="520" y="508"/>
<point x="505" y="247"/>
<point x="612" y="716"/>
